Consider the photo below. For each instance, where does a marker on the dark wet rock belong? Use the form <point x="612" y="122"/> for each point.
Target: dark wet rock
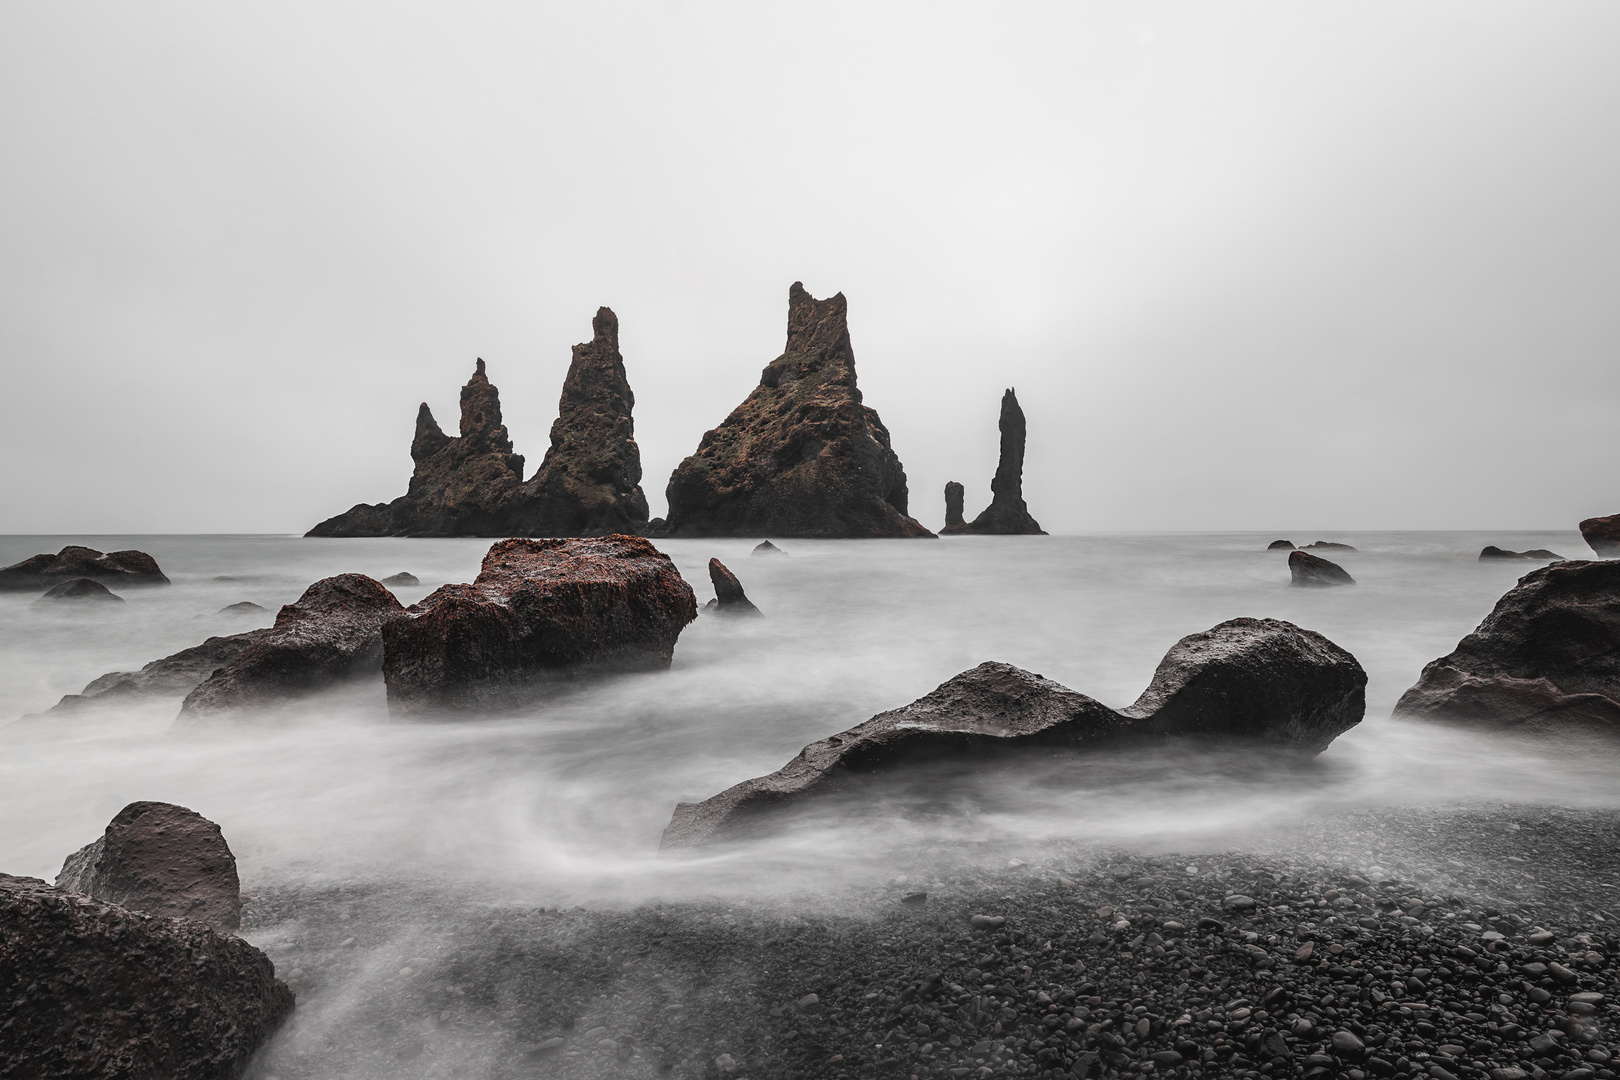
<point x="78" y="591"/>
<point x="1007" y="515"/>
<point x="122" y="569"/>
<point x="1313" y="570"/>
<point x="243" y="607"/>
<point x="173" y="675"/>
<point x="1256" y="679"/>
<point x="539" y="611"/>
<point x="95" y="990"/>
<point x="802" y="455"/>
<point x="1280" y="545"/>
<point x="955" y="495"/>
<point x="1545" y="661"/>
<point x="331" y="633"/>
<point x="728" y="591"/>
<point x="164" y="860"/>
<point x="765" y="547"/>
<point x="1602" y="534"/>
<point x="1327" y="545"/>
<point x="401" y="578"/>
<point x="1491" y="553"/>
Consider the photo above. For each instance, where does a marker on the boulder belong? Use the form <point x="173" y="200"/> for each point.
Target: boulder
<point x="331" y="633"/>
<point x="1327" y="545"/>
<point x="1313" y="570"/>
<point x="802" y="455"/>
<point x="728" y="591"/>
<point x="955" y="494"/>
<point x="95" y="990"/>
<point x="765" y="547"/>
<point x="1545" y="661"/>
<point x="77" y="591"/>
<point x="1007" y="515"/>
<point x="1258" y="680"/>
<point x="1602" y="534"/>
<point x="1280" y="545"/>
<point x="539" y="611"/>
<point x="401" y="578"/>
<point x="161" y="859"/>
<point x="121" y="568"/>
<point x="1491" y="553"/>
<point x="173" y="675"/>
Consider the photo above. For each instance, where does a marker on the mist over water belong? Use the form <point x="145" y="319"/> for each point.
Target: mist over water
<point x="565" y="801"/>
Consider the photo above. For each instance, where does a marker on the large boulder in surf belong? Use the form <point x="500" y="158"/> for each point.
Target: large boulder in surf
<point x="78" y="591"/>
<point x="174" y="675"/>
<point x="1602" y="534"/>
<point x="1314" y="571"/>
<point x="589" y="483"/>
<point x="161" y="859"/>
<point x="118" y="568"/>
<point x="1261" y="681"/>
<point x="539" y="611"/>
<point x="802" y="455"/>
<point x="955" y="494"/>
<point x="463" y="486"/>
<point x="1007" y="515"/>
<point x="332" y="632"/>
<point x="729" y="598"/>
<point x="1546" y="660"/>
<point x="95" y="990"/>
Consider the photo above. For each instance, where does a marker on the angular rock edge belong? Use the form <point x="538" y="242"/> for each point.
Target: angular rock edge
<point x="1257" y="679"/>
<point x="729" y="598"/>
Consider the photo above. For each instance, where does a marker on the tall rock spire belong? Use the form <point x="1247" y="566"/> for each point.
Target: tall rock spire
<point x="1007" y="514"/>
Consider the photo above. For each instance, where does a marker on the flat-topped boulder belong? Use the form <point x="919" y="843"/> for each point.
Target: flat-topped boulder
<point x="1260" y="681"/>
<point x="1314" y="571"/>
<point x="729" y="598"/>
<point x="802" y="455"/>
<point x="1545" y="661"/>
<point x="117" y="568"/>
<point x="1603" y="535"/>
<point x="78" y="591"/>
<point x="1007" y="515"/>
<point x="539" y="611"/>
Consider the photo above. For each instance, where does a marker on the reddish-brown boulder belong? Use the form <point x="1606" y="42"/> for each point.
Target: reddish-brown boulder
<point x="1313" y="570"/>
<point x="539" y="611"/>
<point x="802" y="455"/>
<point x="729" y="598"/>
<point x="120" y="568"/>
<point x="1007" y="515"/>
<point x="1603" y="535"/>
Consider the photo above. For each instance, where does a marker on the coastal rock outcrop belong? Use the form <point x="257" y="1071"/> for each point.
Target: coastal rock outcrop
<point x="1007" y="515"/>
<point x="1280" y="545"/>
<point x="766" y="548"/>
<point x="164" y="860"/>
<point x="120" y="568"/>
<point x="177" y="674"/>
<point x="1602" y="534"/>
<point x="95" y="990"/>
<point x="539" y="611"/>
<point x="1492" y="553"/>
<point x="79" y="590"/>
<point x="955" y="493"/>
<point x="1545" y="661"/>
<point x="1260" y="680"/>
<point x="729" y="598"/>
<point x="332" y="632"/>
<point x="1313" y="570"/>
<point x="802" y="455"/>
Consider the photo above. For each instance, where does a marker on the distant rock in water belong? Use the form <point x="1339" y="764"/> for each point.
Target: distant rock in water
<point x="801" y="456"/>
<point x="954" y="496"/>
<point x="1491" y="553"/>
<point x="244" y="607"/>
<point x="1327" y="545"/>
<point x="78" y="591"/>
<point x="1546" y="660"/>
<point x="164" y="860"/>
<point x="728" y="591"/>
<point x="1603" y="535"/>
<point x="120" y="568"/>
<point x="766" y="548"/>
<point x="171" y="676"/>
<point x="332" y="632"/>
<point x="401" y="578"/>
<point x="1308" y="569"/>
<point x="1260" y="680"/>
<point x="1007" y="515"/>
<point x="1280" y="545"/>
<point x="539" y="611"/>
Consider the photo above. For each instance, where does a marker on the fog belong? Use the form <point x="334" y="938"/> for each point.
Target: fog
<point x="1272" y="266"/>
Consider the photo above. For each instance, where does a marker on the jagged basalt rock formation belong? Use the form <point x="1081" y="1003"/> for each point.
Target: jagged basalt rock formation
<point x="331" y="633"/>
<point x="1007" y="515"/>
<point x="729" y="598"/>
<point x="1546" y="660"/>
<point x="765" y="548"/>
<point x="95" y="990"/>
<point x="955" y="493"/>
<point x="1306" y="569"/>
<point x="1602" y="534"/>
<point x="77" y="591"/>
<point x="1492" y="553"/>
<point x="539" y="611"/>
<point x="1263" y="680"/>
<point x="173" y="675"/>
<point x="120" y="568"/>
<point x="1280" y="545"/>
<point x="802" y="455"/>
<point x="161" y="859"/>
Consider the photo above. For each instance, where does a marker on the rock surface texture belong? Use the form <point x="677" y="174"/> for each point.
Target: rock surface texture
<point x="801" y="456"/>
<point x="1313" y="570"/>
<point x="78" y="590"/>
<point x="1491" y="553"/>
<point x="539" y="611"/>
<point x="332" y="632"/>
<point x="1602" y="534"/>
<point x="164" y="860"/>
<point x="121" y="568"/>
<point x="954" y="496"/>
<point x="1545" y="661"/>
<point x="729" y="598"/>
<point x="1007" y="515"/>
<point x="95" y="990"/>
<point x="1254" y="679"/>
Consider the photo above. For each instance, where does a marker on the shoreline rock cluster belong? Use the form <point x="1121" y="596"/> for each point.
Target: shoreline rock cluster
<point x="76" y="563"/>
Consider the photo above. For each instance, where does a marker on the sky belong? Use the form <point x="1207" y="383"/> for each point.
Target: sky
<point x="1250" y="266"/>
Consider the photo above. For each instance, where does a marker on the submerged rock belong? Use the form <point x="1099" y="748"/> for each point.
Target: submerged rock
<point x="539" y="611"/>
<point x="79" y="590"/>
<point x="1546" y="660"/>
<point x="1327" y="545"/>
<point x="332" y="632"/>
<point x="955" y="494"/>
<point x="1007" y="515"/>
<point x="1603" y="535"/>
<point x="401" y="578"/>
<point x="802" y="455"/>
<point x="1280" y="545"/>
<point x="766" y="548"/>
<point x="1308" y="569"/>
<point x="1263" y="680"/>
<point x="243" y="607"/>
<point x="121" y="568"/>
<point x="173" y="675"/>
<point x="728" y="591"/>
<point x="1491" y="553"/>
<point x="161" y="859"/>
<point x="95" y="990"/>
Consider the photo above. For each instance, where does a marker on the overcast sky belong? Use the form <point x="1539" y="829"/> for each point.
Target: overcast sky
<point x="1290" y="266"/>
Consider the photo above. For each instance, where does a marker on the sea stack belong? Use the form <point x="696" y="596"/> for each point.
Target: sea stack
<point x="1007" y="515"/>
<point x="954" y="522"/>
<point x="589" y="483"/>
<point x="802" y="456"/>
